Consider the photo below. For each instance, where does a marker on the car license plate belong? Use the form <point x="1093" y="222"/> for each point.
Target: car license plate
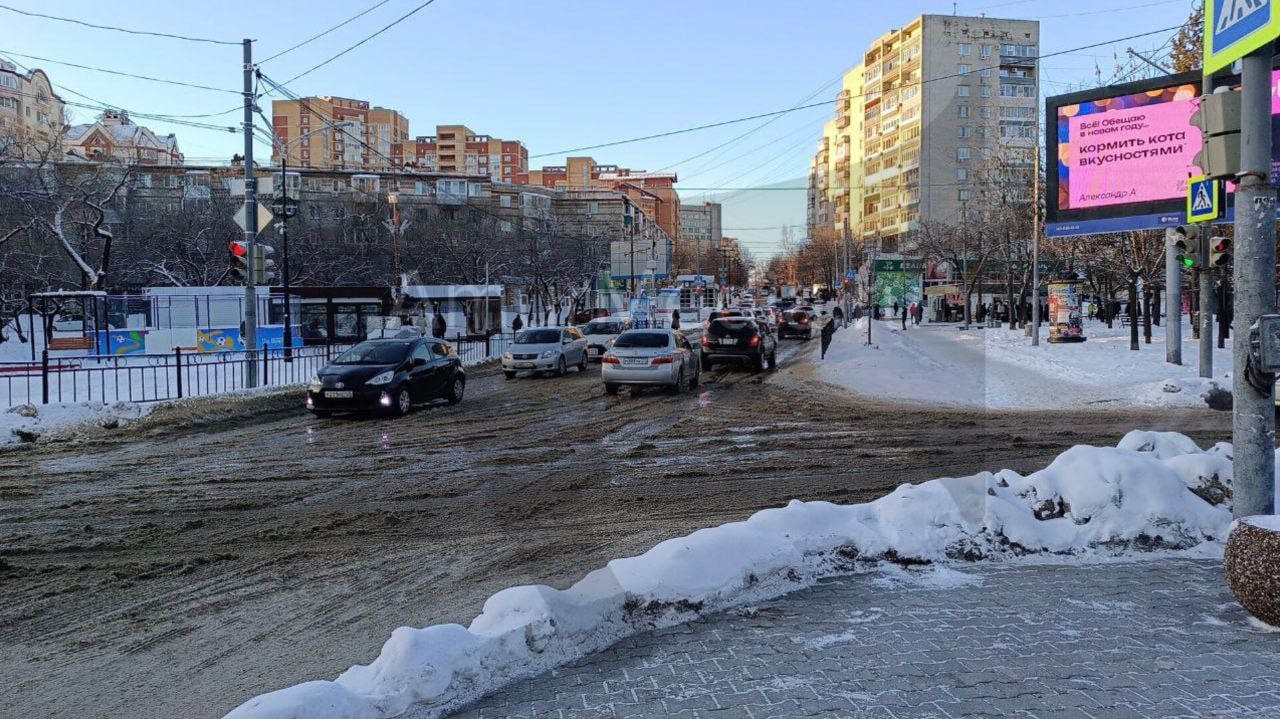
<point x="339" y="394"/>
<point x="524" y="365"/>
<point x="593" y="351"/>
<point x="728" y="341"/>
<point x="634" y="360"/>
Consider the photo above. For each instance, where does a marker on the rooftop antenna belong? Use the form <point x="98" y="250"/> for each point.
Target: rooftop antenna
<point x="953" y="9"/>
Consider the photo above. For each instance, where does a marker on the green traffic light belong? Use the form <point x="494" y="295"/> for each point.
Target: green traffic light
<point x="1188" y="262"/>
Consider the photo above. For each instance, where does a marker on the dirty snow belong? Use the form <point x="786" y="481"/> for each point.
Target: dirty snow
<point x="999" y="369"/>
<point x="26" y="422"/>
<point x="1089" y="503"/>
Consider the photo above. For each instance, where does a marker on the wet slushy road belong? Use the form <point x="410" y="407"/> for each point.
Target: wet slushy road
<point x="173" y="571"/>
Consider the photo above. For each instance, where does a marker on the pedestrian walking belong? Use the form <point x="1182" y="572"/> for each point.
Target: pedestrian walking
<point x="828" y="330"/>
<point x="982" y="313"/>
<point x="517" y="324"/>
<point x="918" y="315"/>
<point x="837" y="314"/>
<point x="904" y="317"/>
<point x="895" y="309"/>
<point x="675" y="319"/>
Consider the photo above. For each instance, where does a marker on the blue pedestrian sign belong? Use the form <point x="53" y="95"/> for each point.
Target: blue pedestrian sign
<point x="1204" y="199"/>
<point x="1235" y="28"/>
<point x="851" y="275"/>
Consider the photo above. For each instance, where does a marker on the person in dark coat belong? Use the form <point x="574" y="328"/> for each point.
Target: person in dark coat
<point x="904" y="316"/>
<point x="517" y="324"/>
<point x="895" y="309"/>
<point x="837" y="314"/>
<point x="828" y="330"/>
<point x="438" y="325"/>
<point x="982" y="313"/>
<point x="675" y="319"/>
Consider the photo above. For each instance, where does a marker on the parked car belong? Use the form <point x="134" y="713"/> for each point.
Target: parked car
<point x="642" y="357"/>
<point x="739" y="339"/>
<point x="546" y="349"/>
<point x="796" y="323"/>
<point x="600" y="334"/>
<point x="387" y="375"/>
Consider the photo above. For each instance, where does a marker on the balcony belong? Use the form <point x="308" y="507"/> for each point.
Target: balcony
<point x="1017" y="60"/>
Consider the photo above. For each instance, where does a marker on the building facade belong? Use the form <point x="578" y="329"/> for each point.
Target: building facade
<point x="458" y="149"/>
<point x="303" y="128"/>
<point x="114" y="137"/>
<point x="701" y="224"/>
<point x="653" y="192"/>
<point x="935" y="107"/>
<point x="32" y="115"/>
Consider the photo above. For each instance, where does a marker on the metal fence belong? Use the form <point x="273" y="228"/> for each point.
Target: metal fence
<point x="474" y="350"/>
<point x="153" y="377"/>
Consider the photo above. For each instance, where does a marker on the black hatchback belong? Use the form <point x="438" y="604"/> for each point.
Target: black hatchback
<point x="739" y="339"/>
<point x="387" y="375"/>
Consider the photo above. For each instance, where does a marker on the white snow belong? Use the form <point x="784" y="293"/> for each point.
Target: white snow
<point x="1271" y="522"/>
<point x="1090" y="503"/>
<point x="57" y="419"/>
<point x="998" y="368"/>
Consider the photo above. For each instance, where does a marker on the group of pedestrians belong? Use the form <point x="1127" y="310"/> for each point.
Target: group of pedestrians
<point x="913" y="312"/>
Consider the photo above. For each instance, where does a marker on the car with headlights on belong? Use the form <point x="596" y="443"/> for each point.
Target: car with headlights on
<point x="546" y="349"/>
<point x="651" y="357"/>
<point x="739" y="339"/>
<point x="389" y="375"/>
<point x="601" y="332"/>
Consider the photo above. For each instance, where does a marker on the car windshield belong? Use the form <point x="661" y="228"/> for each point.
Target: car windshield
<point x="538" y="337"/>
<point x="374" y="353"/>
<point x="645" y="340"/>
<point x="739" y="327"/>
<point x="602" y="328"/>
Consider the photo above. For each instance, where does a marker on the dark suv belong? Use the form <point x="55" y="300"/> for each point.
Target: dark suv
<point x="796" y="323"/>
<point x="738" y="339"/>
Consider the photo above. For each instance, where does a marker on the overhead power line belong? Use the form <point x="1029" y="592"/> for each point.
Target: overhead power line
<point x="807" y="106"/>
<point x="178" y="83"/>
<point x="385" y="28"/>
<point x="117" y="29"/>
<point x="313" y="38"/>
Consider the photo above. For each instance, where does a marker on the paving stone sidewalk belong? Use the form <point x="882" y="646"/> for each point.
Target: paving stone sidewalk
<point x="1162" y="638"/>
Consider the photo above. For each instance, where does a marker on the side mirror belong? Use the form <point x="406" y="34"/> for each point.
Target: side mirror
<point x="419" y="361"/>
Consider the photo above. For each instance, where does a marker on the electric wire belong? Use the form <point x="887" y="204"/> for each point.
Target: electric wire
<point x="178" y="83"/>
<point x="385" y="28"/>
<point x="313" y="38"/>
<point x="117" y="29"/>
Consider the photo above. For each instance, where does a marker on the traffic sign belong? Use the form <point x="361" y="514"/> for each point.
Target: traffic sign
<point x="1204" y="199"/>
<point x="851" y="275"/>
<point x="286" y="206"/>
<point x="1235" y="28"/>
<point x="264" y="217"/>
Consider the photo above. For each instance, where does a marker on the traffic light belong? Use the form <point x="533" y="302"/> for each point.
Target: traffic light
<point x="1219" y="251"/>
<point x="1188" y="250"/>
<point x="1218" y="118"/>
<point x="264" y="268"/>
<point x="239" y="260"/>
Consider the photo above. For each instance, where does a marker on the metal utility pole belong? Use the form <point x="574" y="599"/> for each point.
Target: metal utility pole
<point x="284" y="252"/>
<point x="1172" y="301"/>
<point x="1035" y="243"/>
<point x="250" y="226"/>
<point x="1253" y="415"/>
<point x="1206" y="282"/>
<point x="394" y="201"/>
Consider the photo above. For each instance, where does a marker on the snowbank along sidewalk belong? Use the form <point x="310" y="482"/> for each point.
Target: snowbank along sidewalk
<point x="999" y="369"/>
<point x="1153" y="491"/>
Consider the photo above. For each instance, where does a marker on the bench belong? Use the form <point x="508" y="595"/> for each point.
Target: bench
<point x="71" y="343"/>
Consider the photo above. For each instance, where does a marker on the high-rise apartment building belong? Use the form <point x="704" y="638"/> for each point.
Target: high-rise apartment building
<point x="371" y="138"/>
<point x="457" y="149"/>
<point x="701" y="224"/>
<point x="32" y="116"/>
<point x="942" y="102"/>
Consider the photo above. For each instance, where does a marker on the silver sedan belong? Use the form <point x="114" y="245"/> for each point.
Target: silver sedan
<point x="642" y="357"/>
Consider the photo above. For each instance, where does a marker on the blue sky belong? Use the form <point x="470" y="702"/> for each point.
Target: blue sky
<point x="557" y="74"/>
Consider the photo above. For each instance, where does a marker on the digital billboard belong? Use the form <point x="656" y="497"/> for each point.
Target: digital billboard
<point x="1119" y="157"/>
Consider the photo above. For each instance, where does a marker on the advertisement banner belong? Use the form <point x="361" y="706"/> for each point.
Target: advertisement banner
<point x="123" y="342"/>
<point x="1065" y="322"/>
<point x="903" y="288"/>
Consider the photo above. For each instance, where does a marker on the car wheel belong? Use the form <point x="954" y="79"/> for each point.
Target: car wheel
<point x="636" y="390"/>
<point x="456" y="389"/>
<point x="582" y="363"/>
<point x="773" y="360"/>
<point x="611" y="388"/>
<point x="561" y="368"/>
<point x="404" y="403"/>
<point x="697" y="378"/>
<point x="509" y="375"/>
<point x="758" y="363"/>
<point x="678" y="387"/>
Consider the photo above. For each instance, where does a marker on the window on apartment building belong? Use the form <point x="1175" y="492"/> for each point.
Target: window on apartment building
<point x="962" y="111"/>
<point x="962" y="154"/>
<point x="144" y="181"/>
<point x="1009" y="49"/>
<point x="962" y="131"/>
<point x="986" y="113"/>
<point x="504" y="226"/>
<point x="962" y="174"/>
<point x="962" y="90"/>
<point x="172" y="182"/>
<point x="592" y="208"/>
<point x="985" y="72"/>
<point x="504" y="201"/>
<point x="984" y="132"/>
<point x="963" y="69"/>
<point x="986" y="52"/>
<point x="986" y="91"/>
<point x="313" y="211"/>
<point x="965" y="49"/>
<point x="963" y="194"/>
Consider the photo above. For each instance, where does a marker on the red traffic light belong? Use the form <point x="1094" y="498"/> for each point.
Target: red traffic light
<point x="238" y="248"/>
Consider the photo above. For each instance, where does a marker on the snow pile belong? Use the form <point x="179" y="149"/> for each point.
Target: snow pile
<point x="998" y="368"/>
<point x="30" y="422"/>
<point x="1091" y="501"/>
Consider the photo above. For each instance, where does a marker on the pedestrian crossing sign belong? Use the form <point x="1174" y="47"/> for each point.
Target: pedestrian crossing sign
<point x="1204" y="199"/>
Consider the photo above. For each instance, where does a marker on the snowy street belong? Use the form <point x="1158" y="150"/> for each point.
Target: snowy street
<point x="199" y="558"/>
<point x="999" y="369"/>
